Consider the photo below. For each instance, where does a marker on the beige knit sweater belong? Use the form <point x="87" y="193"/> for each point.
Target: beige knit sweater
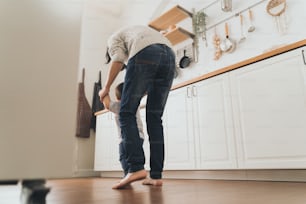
<point x="128" y="41"/>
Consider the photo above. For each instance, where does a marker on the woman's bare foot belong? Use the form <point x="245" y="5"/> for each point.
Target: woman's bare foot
<point x="129" y="178"/>
<point x="154" y="182"/>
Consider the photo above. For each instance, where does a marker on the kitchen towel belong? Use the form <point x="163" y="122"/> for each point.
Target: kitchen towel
<point x="96" y="103"/>
<point x="83" y="111"/>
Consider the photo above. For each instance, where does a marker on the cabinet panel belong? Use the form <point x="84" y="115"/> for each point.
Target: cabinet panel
<point x="199" y="126"/>
<point x="106" y="145"/>
<point x="213" y="123"/>
<point x="270" y="105"/>
<point x="101" y="149"/>
<point x="146" y="144"/>
<point x="114" y="163"/>
<point x="179" y="139"/>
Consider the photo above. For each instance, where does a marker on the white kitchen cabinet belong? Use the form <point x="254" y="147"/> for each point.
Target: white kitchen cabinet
<point x="106" y="145"/>
<point x="249" y="118"/>
<point x="179" y="137"/>
<point x="213" y="125"/>
<point x="269" y="102"/>
<point x="199" y="130"/>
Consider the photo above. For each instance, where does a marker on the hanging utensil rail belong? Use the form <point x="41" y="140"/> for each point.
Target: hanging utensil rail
<point x="230" y="17"/>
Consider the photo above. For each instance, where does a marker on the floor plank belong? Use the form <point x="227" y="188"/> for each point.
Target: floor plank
<point x="93" y="191"/>
<point x="174" y="191"/>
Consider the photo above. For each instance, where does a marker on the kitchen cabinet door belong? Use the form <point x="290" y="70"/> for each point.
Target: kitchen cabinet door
<point x="213" y="124"/>
<point x="269" y="101"/>
<point x="179" y="136"/>
<point x="114" y="139"/>
<point x="106" y="144"/>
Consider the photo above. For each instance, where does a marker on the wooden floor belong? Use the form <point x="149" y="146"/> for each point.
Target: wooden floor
<point x="98" y="191"/>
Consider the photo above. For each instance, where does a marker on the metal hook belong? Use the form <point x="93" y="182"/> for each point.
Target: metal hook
<point x="303" y="57"/>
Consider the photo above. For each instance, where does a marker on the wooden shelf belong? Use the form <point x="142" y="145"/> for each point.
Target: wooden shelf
<point x="172" y="17"/>
<point x="178" y="35"/>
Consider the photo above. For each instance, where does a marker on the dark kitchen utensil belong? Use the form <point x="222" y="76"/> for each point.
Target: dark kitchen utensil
<point x="83" y="111"/>
<point x="185" y="61"/>
<point x="96" y="103"/>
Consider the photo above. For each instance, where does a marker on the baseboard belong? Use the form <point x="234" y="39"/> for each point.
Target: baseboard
<point x="111" y="174"/>
<point x="86" y="173"/>
<point x="255" y="175"/>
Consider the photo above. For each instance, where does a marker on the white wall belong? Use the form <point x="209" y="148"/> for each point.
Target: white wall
<point x="102" y="17"/>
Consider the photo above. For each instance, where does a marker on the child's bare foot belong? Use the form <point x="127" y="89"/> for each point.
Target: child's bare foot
<point x="129" y="178"/>
<point x="154" y="182"/>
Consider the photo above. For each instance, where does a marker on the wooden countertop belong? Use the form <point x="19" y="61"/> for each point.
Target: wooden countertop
<point x="238" y="65"/>
<point x="101" y="112"/>
<point x="105" y="111"/>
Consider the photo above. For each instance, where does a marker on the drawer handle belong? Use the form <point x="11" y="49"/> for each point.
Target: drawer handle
<point x="194" y="91"/>
<point x="303" y="57"/>
<point x="189" y="93"/>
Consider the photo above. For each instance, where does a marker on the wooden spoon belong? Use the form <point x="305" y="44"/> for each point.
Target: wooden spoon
<point x="252" y="27"/>
<point x="242" y="37"/>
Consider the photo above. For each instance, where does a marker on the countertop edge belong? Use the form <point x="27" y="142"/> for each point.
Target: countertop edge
<point x="105" y="110"/>
<point x="101" y="112"/>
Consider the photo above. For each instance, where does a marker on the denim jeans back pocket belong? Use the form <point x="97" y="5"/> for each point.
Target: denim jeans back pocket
<point x="149" y="58"/>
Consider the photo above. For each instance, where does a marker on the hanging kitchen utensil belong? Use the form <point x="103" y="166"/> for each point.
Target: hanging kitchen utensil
<point x="96" y="103"/>
<point x="216" y="42"/>
<point x="185" y="61"/>
<point x="226" y="5"/>
<point x="83" y="111"/>
<point x="276" y="8"/>
<point x="242" y="37"/>
<point x="227" y="45"/>
<point x="251" y="27"/>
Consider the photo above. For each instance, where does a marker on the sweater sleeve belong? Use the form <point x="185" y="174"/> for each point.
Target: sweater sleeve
<point x="128" y="41"/>
<point x="117" y="49"/>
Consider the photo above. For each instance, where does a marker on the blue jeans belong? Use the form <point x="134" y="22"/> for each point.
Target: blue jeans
<point x="150" y="72"/>
<point x="122" y="158"/>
